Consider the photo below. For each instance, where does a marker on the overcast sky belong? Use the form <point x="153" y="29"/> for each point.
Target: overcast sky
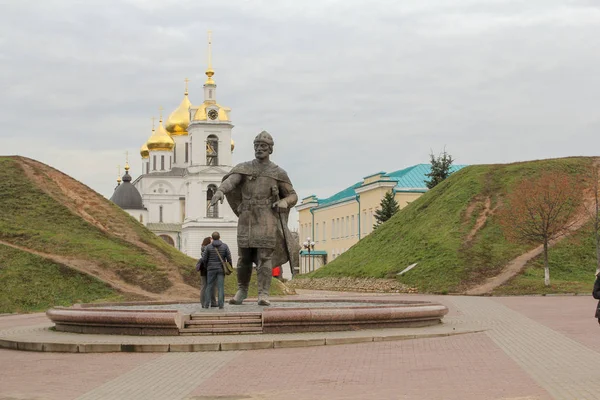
<point x="346" y="88"/>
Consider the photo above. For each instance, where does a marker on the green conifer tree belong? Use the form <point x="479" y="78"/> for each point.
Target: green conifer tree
<point x="440" y="169"/>
<point x="388" y="207"/>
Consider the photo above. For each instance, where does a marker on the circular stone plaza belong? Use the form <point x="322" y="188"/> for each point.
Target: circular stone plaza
<point x="517" y="348"/>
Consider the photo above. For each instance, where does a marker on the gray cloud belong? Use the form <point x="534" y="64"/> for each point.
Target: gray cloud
<point x="346" y="87"/>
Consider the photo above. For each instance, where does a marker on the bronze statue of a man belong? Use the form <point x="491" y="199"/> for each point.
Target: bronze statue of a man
<point x="261" y="195"/>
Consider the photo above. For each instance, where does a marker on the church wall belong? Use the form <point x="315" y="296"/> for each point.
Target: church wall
<point x="199" y="132"/>
<point x="171" y="209"/>
<point x="157" y="166"/>
<point x="136" y="214"/>
<point x="193" y="235"/>
<point x="179" y="151"/>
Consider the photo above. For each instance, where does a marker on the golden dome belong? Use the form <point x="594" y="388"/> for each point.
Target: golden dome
<point x="160" y="139"/>
<point x="144" y="151"/>
<point x="178" y="121"/>
<point x="209" y="81"/>
<point x="232" y="145"/>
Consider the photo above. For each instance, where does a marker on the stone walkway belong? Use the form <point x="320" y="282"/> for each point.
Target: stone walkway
<point x="527" y="348"/>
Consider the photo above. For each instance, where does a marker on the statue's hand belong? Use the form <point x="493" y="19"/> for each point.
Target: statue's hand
<point x="218" y="196"/>
<point x="281" y="204"/>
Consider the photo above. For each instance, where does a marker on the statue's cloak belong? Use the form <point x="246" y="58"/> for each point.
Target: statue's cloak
<point x="286" y="248"/>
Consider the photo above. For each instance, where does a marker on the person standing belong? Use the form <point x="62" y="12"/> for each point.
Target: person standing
<point x="261" y="194"/>
<point x="596" y="294"/>
<point x="203" y="277"/>
<point x="214" y="267"/>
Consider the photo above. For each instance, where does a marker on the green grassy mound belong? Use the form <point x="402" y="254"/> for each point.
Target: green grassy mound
<point x="50" y="216"/>
<point x="33" y="283"/>
<point x="437" y="232"/>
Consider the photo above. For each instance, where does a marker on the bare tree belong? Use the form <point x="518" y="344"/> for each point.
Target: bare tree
<point x="542" y="209"/>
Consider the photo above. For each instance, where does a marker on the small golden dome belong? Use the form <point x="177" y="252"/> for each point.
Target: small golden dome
<point x="144" y="151"/>
<point x="179" y="120"/>
<point x="232" y="145"/>
<point x="209" y="72"/>
<point x="160" y="139"/>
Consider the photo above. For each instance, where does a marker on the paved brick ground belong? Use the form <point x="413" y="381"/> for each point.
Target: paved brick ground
<point x="572" y="316"/>
<point x="458" y="367"/>
<point x="33" y="375"/>
<point x="532" y="348"/>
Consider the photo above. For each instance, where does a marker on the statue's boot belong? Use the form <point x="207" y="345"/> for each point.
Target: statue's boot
<point x="264" y="276"/>
<point x="243" y="277"/>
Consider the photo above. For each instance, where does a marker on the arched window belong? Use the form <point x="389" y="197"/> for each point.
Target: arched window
<point x="211" y="211"/>
<point x="212" y="150"/>
<point x="168" y="239"/>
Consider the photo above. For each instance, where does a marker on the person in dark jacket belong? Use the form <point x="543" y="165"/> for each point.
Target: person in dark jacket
<point x="596" y="294"/>
<point x="214" y="266"/>
<point x="203" y="277"/>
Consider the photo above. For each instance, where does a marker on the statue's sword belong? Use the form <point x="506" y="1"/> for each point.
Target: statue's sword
<point x="275" y="194"/>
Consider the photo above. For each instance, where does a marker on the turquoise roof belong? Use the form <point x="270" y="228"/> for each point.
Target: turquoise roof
<point x="411" y="179"/>
<point x="414" y="177"/>
<point x="313" y="252"/>
<point x="376" y="173"/>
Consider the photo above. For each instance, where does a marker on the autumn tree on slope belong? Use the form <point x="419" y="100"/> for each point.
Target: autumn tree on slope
<point x="388" y="207"/>
<point x="440" y="168"/>
<point x="542" y="209"/>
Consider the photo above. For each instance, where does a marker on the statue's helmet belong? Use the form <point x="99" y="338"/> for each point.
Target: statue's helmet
<point x="264" y="137"/>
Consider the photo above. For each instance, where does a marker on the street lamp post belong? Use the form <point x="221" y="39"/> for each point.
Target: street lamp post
<point x="308" y="245"/>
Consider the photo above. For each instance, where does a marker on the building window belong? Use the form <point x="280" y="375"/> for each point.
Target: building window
<point x="160" y="213"/>
<point x="170" y="162"/>
<point x="337" y="228"/>
<point x="333" y="228"/>
<point x="187" y="147"/>
<point x="212" y="150"/>
<point x="211" y="211"/>
<point x="154" y="163"/>
<point x="347" y="226"/>
<point x="168" y="239"/>
<point x="324" y="231"/>
<point x="182" y="208"/>
<point x="175" y="155"/>
<point x="364" y="223"/>
<point x="141" y="218"/>
<point x="317" y="232"/>
<point x="148" y="167"/>
<point x="162" y="163"/>
<point x="370" y="220"/>
<point x="352" y="226"/>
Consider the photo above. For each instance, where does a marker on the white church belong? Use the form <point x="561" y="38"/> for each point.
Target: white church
<point x="183" y="162"/>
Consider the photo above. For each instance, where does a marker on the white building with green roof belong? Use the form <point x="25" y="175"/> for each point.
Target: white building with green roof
<point x="337" y="222"/>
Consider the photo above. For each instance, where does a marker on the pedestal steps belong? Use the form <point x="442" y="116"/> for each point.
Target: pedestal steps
<point x="222" y="323"/>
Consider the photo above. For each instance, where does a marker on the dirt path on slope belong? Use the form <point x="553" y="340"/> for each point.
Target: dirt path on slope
<point x="481" y="219"/>
<point x="91" y="269"/>
<point x="92" y="207"/>
<point x="517" y="265"/>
